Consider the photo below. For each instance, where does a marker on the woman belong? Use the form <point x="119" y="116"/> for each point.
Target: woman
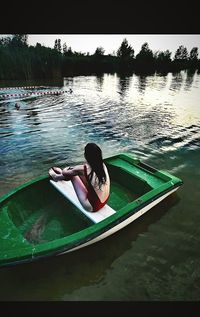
<point x="91" y="180"/>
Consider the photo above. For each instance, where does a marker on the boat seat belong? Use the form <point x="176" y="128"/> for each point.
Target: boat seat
<point x="66" y="188"/>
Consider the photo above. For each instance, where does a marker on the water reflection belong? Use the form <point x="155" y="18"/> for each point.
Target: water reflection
<point x="189" y="80"/>
<point x="69" y="121"/>
<point x="142" y="80"/>
<point x="100" y="81"/>
<point x="123" y="84"/>
<point x="163" y="82"/>
<point x="177" y="81"/>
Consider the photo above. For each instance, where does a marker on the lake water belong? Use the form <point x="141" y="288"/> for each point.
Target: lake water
<point x="157" y="118"/>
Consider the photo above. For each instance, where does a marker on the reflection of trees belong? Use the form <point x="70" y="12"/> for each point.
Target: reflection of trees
<point x="189" y="79"/>
<point x="163" y="83"/>
<point x="124" y="82"/>
<point x="177" y="81"/>
<point x="142" y="80"/>
<point x="100" y="80"/>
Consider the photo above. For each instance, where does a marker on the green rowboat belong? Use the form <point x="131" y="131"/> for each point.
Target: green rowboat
<point x="42" y="218"/>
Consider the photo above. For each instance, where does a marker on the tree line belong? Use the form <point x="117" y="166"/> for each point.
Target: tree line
<point x="18" y="60"/>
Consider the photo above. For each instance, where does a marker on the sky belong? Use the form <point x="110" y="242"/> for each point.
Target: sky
<point x="111" y="42"/>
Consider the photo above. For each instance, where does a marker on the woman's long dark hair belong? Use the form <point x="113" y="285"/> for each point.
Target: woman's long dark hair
<point x="93" y="155"/>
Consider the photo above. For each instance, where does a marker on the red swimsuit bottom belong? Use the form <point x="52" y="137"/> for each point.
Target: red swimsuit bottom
<point x="92" y="195"/>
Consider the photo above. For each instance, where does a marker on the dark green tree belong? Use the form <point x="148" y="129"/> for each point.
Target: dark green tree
<point x="59" y="48"/>
<point x="194" y="54"/>
<point x="164" y="56"/>
<point x="145" y="61"/>
<point x="145" y="52"/>
<point x="181" y="58"/>
<point x="20" y="61"/>
<point x="181" y="53"/>
<point x="69" y="52"/>
<point x="99" y="51"/>
<point x="64" y="48"/>
<point x="125" y="51"/>
<point x="193" y="58"/>
<point x="19" y="40"/>
<point x="5" y="41"/>
<point x="162" y="60"/>
<point x="57" y="45"/>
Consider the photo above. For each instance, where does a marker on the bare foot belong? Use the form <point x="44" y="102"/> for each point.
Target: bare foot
<point x="57" y="170"/>
<point x="54" y="176"/>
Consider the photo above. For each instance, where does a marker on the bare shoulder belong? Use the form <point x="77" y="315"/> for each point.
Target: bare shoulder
<point x="106" y="171"/>
<point x="105" y="167"/>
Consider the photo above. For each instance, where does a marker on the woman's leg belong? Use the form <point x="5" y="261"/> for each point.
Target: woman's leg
<point x="81" y="192"/>
<point x="56" y="174"/>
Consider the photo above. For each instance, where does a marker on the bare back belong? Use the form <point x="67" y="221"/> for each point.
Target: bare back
<point x="104" y="191"/>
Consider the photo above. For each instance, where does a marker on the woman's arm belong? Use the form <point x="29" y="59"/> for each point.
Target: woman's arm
<point x="73" y="171"/>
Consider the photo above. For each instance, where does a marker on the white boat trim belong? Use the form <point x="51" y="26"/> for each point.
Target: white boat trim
<point x="123" y="223"/>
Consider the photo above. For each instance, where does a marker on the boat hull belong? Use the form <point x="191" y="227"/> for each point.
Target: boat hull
<point x="37" y="222"/>
<point x="122" y="224"/>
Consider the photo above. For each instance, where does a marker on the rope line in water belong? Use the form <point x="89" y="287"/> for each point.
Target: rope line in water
<point x="33" y="93"/>
<point x="25" y="87"/>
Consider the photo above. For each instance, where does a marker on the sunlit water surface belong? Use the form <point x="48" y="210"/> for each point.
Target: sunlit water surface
<point x="157" y="118"/>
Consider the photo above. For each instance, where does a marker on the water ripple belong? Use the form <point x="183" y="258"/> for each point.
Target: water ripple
<point x="133" y="113"/>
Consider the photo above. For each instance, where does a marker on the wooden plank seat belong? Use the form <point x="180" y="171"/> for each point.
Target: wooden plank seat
<point x="66" y="188"/>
